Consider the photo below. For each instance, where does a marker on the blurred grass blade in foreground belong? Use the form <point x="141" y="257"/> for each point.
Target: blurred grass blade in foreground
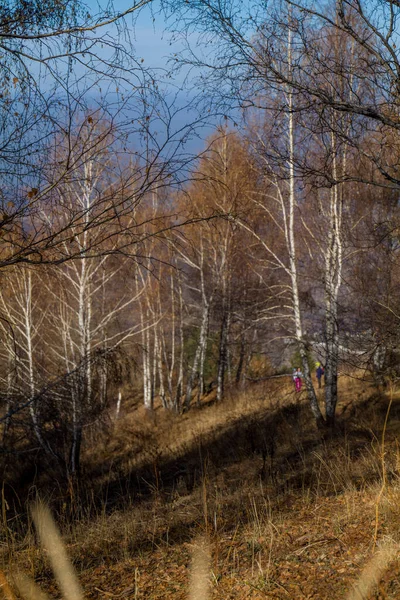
<point x="200" y="569"/>
<point x="28" y="588"/>
<point x="51" y="542"/>
<point x="373" y="572"/>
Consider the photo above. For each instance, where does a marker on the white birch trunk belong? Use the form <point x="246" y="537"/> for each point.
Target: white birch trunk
<point x="159" y="364"/>
<point x="149" y="398"/>
<point x="200" y="350"/>
<point x="173" y="341"/>
<point x="203" y="353"/>
<point x="27" y="309"/>
<point x="179" y="383"/>
<point x="292" y="249"/>
<point x="118" y="407"/>
<point x="333" y="272"/>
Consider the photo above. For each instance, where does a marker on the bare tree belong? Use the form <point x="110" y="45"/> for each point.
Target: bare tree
<point x="21" y="325"/>
<point x="328" y="74"/>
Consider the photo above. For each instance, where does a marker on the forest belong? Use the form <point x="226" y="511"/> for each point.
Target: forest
<point x="277" y="245"/>
<point x="144" y="282"/>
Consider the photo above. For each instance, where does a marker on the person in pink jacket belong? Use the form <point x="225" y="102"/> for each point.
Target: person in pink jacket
<point x="297" y="375"/>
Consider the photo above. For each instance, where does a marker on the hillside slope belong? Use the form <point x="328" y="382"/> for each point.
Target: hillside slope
<point x="287" y="512"/>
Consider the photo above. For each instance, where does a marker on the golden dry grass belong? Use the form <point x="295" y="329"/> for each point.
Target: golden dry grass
<point x="304" y="529"/>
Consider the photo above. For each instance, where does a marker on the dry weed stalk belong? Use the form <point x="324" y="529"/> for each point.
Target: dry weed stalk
<point x="199" y="579"/>
<point x="373" y="572"/>
<point x="51" y="542"/>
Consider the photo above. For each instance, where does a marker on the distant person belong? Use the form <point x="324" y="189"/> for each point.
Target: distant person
<point x="297" y="375"/>
<point x="320" y="372"/>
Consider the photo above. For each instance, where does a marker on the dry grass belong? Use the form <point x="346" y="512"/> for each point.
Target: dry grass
<point x="166" y="434"/>
<point x="298" y="524"/>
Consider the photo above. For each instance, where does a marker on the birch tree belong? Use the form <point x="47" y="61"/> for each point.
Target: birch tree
<point x="275" y="62"/>
<point x="24" y="316"/>
<point x="87" y="298"/>
<point x="193" y="256"/>
<point x="214" y="256"/>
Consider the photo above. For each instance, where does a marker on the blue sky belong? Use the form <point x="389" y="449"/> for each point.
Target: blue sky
<point x="153" y="43"/>
<point x="156" y="45"/>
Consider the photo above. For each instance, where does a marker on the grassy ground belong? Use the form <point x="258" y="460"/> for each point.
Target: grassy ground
<point x="282" y="510"/>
